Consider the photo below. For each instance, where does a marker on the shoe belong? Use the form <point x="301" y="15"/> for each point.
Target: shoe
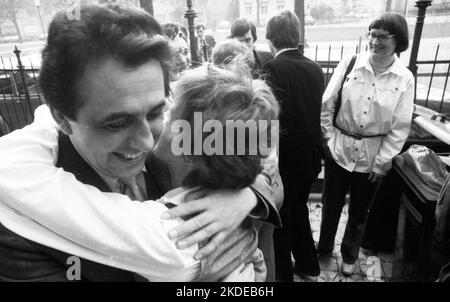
<point x="348" y="269"/>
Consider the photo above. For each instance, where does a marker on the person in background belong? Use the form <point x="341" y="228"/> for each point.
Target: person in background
<point x="205" y="43"/>
<point x="179" y="48"/>
<point x="244" y="31"/>
<point x="183" y="33"/>
<point x="364" y="133"/>
<point x="177" y="64"/>
<point x="170" y="30"/>
<point x="230" y="53"/>
<point x="226" y="52"/>
<point x="298" y="84"/>
<point x="183" y="41"/>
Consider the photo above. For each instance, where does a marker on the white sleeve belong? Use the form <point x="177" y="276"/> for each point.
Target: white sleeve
<point x="393" y="142"/>
<point x="79" y="219"/>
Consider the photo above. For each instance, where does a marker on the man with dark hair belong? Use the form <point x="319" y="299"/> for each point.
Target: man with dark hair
<point x="298" y="84"/>
<point x="205" y="43"/>
<point x="104" y="78"/>
<point x="245" y="32"/>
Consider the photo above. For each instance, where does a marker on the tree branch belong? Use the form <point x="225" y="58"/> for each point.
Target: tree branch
<point x="9" y="9"/>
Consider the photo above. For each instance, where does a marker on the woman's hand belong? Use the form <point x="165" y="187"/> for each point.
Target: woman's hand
<point x="216" y="216"/>
<point x="375" y="177"/>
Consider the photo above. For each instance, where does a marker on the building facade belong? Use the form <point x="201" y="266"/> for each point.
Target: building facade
<point x="341" y="8"/>
<point x="267" y="8"/>
<point x="29" y="21"/>
<point x="209" y="12"/>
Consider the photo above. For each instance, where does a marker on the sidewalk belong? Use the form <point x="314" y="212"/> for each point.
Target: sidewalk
<point x="371" y="268"/>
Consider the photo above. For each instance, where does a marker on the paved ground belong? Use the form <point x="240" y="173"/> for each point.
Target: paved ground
<point x="371" y="268"/>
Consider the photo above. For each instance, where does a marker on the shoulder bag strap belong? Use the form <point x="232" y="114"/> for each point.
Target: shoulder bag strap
<point x="339" y="99"/>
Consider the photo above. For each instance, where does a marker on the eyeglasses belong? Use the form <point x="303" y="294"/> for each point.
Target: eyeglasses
<point x="380" y="37"/>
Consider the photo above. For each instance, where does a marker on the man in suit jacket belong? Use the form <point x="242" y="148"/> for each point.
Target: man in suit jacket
<point x="107" y="95"/>
<point x="244" y="31"/>
<point x="25" y="260"/>
<point x="298" y="84"/>
<point x="205" y="43"/>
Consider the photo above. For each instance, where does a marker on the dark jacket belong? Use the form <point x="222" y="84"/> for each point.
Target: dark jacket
<point x="206" y="52"/>
<point x="261" y="59"/>
<point x="24" y="260"/>
<point x="298" y="84"/>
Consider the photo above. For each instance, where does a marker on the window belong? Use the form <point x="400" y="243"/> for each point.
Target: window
<point x="9" y="29"/>
<point x="248" y="10"/>
<point x="280" y="6"/>
<point x="264" y="10"/>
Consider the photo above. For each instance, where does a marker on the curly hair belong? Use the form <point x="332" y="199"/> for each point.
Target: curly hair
<point x="226" y="51"/>
<point x="224" y="95"/>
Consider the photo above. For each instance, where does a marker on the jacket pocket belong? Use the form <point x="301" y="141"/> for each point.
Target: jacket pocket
<point x="390" y="94"/>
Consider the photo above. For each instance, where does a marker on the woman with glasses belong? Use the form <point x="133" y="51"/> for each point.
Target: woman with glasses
<point x="366" y="116"/>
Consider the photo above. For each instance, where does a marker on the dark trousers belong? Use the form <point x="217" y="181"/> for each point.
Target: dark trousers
<point x="337" y="182"/>
<point x="295" y="234"/>
<point x="381" y="229"/>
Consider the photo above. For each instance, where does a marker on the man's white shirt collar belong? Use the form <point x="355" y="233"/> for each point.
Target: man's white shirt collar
<point x="283" y="50"/>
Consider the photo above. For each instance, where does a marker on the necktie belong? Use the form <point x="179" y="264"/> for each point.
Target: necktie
<point x="130" y="188"/>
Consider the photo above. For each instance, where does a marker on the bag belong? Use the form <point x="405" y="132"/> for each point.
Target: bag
<point x="339" y="99"/>
<point x="427" y="165"/>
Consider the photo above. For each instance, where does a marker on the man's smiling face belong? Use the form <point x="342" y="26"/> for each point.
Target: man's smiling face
<point x="121" y="116"/>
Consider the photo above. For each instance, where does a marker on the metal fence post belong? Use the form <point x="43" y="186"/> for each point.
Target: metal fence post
<point x="22" y="76"/>
<point x="422" y="5"/>
<point x="190" y="16"/>
<point x="21" y="70"/>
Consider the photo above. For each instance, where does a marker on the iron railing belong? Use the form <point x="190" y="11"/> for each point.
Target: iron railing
<point x="432" y="89"/>
<point x="20" y="95"/>
<point x="432" y="84"/>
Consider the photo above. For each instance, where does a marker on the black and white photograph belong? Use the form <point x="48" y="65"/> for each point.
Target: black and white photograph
<point x="239" y="141"/>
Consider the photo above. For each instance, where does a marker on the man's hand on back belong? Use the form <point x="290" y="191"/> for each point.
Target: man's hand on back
<point x="217" y="215"/>
<point x="238" y="248"/>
